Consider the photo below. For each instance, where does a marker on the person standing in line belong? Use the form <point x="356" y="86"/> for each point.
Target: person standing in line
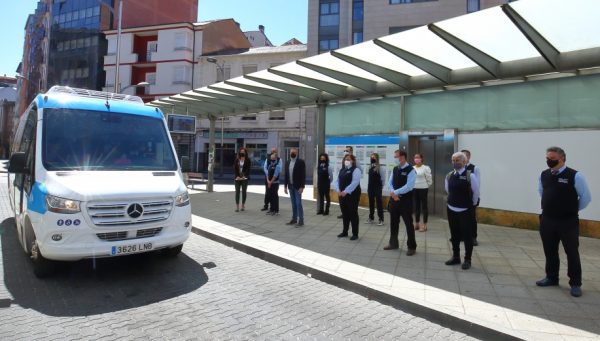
<point x="265" y="170"/>
<point x="295" y="176"/>
<point x="273" y="172"/>
<point x="474" y="170"/>
<point x="401" y="184"/>
<point x="462" y="187"/>
<point x="422" y="184"/>
<point x="241" y="168"/>
<point x="350" y="151"/>
<point x="376" y="181"/>
<point x="564" y="193"/>
<point x="347" y="186"/>
<point x="324" y="178"/>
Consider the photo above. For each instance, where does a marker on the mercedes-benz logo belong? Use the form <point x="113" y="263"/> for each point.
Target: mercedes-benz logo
<point x="135" y="210"/>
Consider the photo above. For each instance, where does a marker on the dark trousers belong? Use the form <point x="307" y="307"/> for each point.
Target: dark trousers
<point x="461" y="225"/>
<point x="266" y="194"/>
<point x="323" y="195"/>
<point x="474" y="217"/>
<point x="273" y="197"/>
<point x="243" y="186"/>
<point x="553" y="231"/>
<point x="402" y="208"/>
<point x="421" y="204"/>
<point x="349" y="207"/>
<point x="375" y="198"/>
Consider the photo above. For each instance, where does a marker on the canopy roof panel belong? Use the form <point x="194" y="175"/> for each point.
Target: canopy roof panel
<point x="514" y="41"/>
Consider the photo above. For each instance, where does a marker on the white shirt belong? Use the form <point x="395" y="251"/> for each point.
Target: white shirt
<point x="424" y="179"/>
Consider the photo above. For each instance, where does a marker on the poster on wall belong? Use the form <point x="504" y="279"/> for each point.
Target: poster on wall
<point x="363" y="146"/>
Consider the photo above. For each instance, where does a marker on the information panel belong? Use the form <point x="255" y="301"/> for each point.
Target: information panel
<point x="181" y="124"/>
<point x="363" y="146"/>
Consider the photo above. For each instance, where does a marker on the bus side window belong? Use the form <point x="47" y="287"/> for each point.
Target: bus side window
<point x="27" y="146"/>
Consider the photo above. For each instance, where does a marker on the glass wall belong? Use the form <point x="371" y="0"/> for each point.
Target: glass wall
<point x="368" y="117"/>
<point x="558" y="103"/>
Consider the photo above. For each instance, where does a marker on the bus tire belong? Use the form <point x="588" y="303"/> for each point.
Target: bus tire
<point x="42" y="267"/>
<point x="172" y="252"/>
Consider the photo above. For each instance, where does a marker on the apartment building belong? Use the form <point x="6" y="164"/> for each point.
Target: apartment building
<point x="334" y="24"/>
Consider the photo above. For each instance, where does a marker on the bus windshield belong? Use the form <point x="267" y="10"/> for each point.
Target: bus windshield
<point x="92" y="140"/>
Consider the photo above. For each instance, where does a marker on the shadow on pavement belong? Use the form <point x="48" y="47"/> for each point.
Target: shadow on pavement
<point x="492" y="279"/>
<point x="87" y="288"/>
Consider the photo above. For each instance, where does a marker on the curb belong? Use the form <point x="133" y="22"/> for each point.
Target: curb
<point x="438" y="317"/>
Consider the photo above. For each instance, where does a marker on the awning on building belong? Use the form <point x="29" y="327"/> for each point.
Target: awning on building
<point x="519" y="41"/>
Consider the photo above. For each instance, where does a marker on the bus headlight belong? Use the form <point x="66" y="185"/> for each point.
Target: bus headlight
<point x="182" y="199"/>
<point x="62" y="205"/>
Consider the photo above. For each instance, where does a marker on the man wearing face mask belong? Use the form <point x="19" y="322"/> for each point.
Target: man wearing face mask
<point x="295" y="176"/>
<point x="348" y="189"/>
<point x="350" y="151"/>
<point x="273" y="171"/>
<point x="463" y="193"/>
<point x="564" y="193"/>
<point x="401" y="184"/>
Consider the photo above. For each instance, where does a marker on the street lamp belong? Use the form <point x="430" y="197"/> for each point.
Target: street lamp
<point x="138" y="85"/>
<point x="118" y="58"/>
<point x="222" y="71"/>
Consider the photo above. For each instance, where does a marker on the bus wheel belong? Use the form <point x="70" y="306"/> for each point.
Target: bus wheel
<point x="42" y="267"/>
<point x="172" y="251"/>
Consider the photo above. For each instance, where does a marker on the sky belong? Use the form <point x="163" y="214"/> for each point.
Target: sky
<point x="283" y="20"/>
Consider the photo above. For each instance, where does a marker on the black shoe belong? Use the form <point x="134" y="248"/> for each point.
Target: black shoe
<point x="466" y="264"/>
<point x="320" y="212"/>
<point x="475" y="243"/>
<point x="453" y="261"/>
<point x="547" y="282"/>
<point x="410" y="252"/>
<point x="355" y="237"/>
<point x="390" y="247"/>
<point x="300" y="223"/>
<point x="340" y="216"/>
<point x="264" y="208"/>
<point x="291" y="222"/>
<point x="326" y="213"/>
<point x="343" y="234"/>
<point x="576" y="291"/>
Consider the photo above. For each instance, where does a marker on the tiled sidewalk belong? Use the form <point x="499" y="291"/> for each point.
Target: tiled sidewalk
<point x="498" y="292"/>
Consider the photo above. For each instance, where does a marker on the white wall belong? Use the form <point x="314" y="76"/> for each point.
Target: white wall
<point x="511" y="163"/>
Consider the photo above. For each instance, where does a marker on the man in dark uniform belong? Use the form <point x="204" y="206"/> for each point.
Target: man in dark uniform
<point x="266" y="171"/>
<point x="564" y="193"/>
<point x="463" y="193"/>
<point x="401" y="183"/>
<point x="477" y="171"/>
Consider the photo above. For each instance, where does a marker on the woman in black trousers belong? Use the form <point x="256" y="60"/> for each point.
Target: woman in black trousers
<point x="324" y="178"/>
<point x="348" y="189"/>
<point x="241" y="169"/>
<point x="376" y="181"/>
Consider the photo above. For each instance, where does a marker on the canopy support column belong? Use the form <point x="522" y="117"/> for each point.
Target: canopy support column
<point x="211" y="153"/>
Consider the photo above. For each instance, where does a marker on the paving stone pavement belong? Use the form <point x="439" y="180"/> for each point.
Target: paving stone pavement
<point x="210" y="292"/>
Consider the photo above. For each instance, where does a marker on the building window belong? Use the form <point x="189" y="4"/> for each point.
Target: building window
<point x="181" y="75"/>
<point x="181" y="41"/>
<point x="473" y="6"/>
<point x="112" y="47"/>
<point x="358" y="10"/>
<point x="395" y="2"/>
<point x="328" y="44"/>
<point x="329" y="13"/>
<point x="151" y="78"/>
<point x="223" y="74"/>
<point x="249" y="118"/>
<point x="277" y="115"/>
<point x="357" y="37"/>
<point x="246" y="69"/>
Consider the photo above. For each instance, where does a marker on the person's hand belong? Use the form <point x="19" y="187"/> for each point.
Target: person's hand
<point x="301" y="190"/>
<point x="269" y="183"/>
<point x="237" y="178"/>
<point x="343" y="194"/>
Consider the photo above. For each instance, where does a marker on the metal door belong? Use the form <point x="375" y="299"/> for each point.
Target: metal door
<point x="437" y="152"/>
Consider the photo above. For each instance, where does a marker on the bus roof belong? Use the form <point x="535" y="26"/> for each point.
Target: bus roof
<point x="71" y="98"/>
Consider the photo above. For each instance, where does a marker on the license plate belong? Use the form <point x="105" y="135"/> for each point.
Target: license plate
<point x="133" y="248"/>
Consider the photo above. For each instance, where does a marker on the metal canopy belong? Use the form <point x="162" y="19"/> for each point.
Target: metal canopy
<point x="513" y="41"/>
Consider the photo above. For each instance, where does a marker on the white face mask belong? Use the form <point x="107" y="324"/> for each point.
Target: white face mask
<point x="348" y="164"/>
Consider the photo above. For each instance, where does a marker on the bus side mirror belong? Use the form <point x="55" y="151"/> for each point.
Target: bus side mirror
<point x="185" y="164"/>
<point x="16" y="163"/>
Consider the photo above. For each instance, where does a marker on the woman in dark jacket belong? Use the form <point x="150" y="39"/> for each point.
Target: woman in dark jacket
<point x="324" y="178"/>
<point x="241" y="169"/>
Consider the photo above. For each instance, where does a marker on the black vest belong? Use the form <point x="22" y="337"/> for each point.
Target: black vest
<point x="375" y="178"/>
<point x="345" y="177"/>
<point x="271" y="168"/>
<point x="400" y="178"/>
<point x="459" y="190"/>
<point x="559" y="196"/>
<point x="471" y="167"/>
<point x="323" y="175"/>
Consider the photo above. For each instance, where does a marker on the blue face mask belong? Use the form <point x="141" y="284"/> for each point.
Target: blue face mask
<point x="457" y="166"/>
<point x="397" y="162"/>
